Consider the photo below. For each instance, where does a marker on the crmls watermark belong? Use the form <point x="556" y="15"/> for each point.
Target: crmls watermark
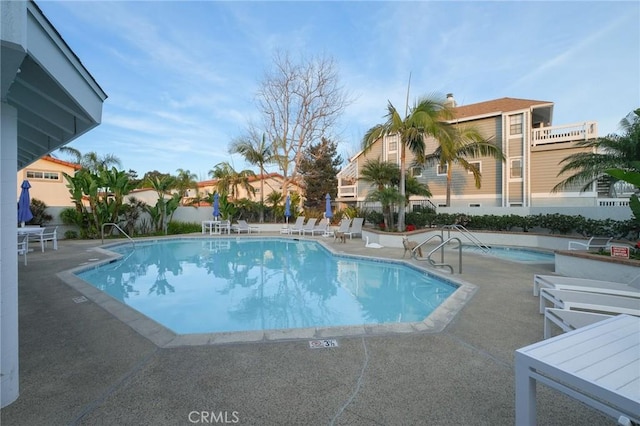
<point x="211" y="417"/>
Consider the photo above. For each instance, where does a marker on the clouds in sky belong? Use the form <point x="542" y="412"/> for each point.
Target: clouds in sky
<point x="182" y="76"/>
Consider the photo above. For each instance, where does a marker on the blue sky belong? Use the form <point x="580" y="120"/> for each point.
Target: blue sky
<point x="182" y="76"/>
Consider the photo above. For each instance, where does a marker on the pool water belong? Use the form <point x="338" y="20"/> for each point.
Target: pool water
<point x="514" y="254"/>
<point x="243" y="284"/>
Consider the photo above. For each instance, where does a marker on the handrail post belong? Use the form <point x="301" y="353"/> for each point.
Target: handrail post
<point x="119" y="229"/>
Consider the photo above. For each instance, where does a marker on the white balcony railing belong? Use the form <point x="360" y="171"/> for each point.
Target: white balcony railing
<point x="566" y="133"/>
<point x="613" y="202"/>
<point x="347" y="191"/>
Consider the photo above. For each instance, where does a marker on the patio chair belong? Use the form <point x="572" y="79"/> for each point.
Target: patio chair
<point x="243" y="226"/>
<point x="594" y="243"/>
<point x="595" y="302"/>
<point x="311" y="223"/>
<point x="320" y="228"/>
<point x="569" y="320"/>
<point x="355" y="228"/>
<point x="583" y="284"/>
<point x="297" y="226"/>
<point x="47" y="234"/>
<point x="224" y="226"/>
<point x="345" y="223"/>
<point x="23" y="247"/>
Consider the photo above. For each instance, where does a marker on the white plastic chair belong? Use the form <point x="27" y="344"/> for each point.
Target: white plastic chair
<point x="23" y="247"/>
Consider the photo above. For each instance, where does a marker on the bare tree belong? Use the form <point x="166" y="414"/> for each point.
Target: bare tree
<point x="299" y="104"/>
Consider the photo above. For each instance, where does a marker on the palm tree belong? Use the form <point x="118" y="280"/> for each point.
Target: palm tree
<point x="229" y="180"/>
<point x="457" y="145"/>
<point x="185" y="181"/>
<point x="381" y="174"/>
<point x="424" y="119"/>
<point x="257" y="153"/>
<point x="91" y="160"/>
<point x="609" y="152"/>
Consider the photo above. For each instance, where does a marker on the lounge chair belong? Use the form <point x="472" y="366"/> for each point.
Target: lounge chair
<point x="297" y="226"/>
<point x="224" y="226"/>
<point x="569" y="320"/>
<point x="355" y="228"/>
<point x="595" y="302"/>
<point x="47" y="234"/>
<point x="320" y="228"/>
<point x="345" y="223"/>
<point x="594" y="243"/>
<point x="311" y="223"/>
<point x="23" y="247"/>
<point x="583" y="284"/>
<point x="243" y="226"/>
<point x="599" y="365"/>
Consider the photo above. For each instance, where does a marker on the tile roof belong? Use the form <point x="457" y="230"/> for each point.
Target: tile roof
<point x="495" y="107"/>
<point x="74" y="166"/>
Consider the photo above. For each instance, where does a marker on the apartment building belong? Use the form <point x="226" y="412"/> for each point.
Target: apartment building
<point x="533" y="147"/>
<point x="47" y="181"/>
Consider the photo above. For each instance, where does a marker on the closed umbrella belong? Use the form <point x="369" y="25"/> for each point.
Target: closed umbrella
<point x="327" y="210"/>
<point x="287" y="208"/>
<point x="216" y="206"/>
<point x="24" y="211"/>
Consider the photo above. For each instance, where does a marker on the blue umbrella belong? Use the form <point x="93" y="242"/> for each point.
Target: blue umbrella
<point x="287" y="208"/>
<point x="24" y="211"/>
<point x="216" y="205"/>
<point x="327" y="210"/>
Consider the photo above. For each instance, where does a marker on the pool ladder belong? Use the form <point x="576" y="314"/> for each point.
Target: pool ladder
<point x="464" y="232"/>
<point x="443" y="243"/>
<point x="119" y="229"/>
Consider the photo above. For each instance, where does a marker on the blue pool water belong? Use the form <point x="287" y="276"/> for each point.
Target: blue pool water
<point x="514" y="254"/>
<point x="242" y="284"/>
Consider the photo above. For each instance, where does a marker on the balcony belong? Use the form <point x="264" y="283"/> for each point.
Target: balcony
<point x="567" y="133"/>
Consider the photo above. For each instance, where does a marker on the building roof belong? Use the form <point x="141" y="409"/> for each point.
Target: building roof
<point x="255" y="178"/>
<point x="74" y="166"/>
<point x="495" y="107"/>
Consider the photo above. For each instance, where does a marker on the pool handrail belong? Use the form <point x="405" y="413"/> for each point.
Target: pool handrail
<point x="443" y="243"/>
<point x="119" y="229"/>
<point x="466" y="233"/>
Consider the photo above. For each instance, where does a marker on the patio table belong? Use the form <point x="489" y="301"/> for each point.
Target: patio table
<point x="598" y="364"/>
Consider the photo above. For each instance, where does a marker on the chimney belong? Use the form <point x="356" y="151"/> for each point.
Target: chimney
<point x="450" y="102"/>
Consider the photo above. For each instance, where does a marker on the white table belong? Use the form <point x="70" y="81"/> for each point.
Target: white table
<point x="210" y="225"/>
<point x="598" y="364"/>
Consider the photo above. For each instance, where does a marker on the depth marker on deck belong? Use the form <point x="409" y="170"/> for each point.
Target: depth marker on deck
<point x="324" y="343"/>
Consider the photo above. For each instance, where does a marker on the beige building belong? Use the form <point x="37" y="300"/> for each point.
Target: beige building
<point x="272" y="182"/>
<point x="47" y="181"/>
<point x="533" y="148"/>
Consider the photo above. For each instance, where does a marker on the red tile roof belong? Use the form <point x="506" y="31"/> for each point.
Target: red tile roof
<point x="74" y="166"/>
<point x="495" y="107"/>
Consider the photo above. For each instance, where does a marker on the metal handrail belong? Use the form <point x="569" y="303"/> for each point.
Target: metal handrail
<point x="414" y="251"/>
<point x="119" y="229"/>
<point x="441" y="247"/>
<point x="466" y="233"/>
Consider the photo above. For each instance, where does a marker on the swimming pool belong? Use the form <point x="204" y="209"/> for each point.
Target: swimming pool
<point x="513" y="254"/>
<point x="244" y="284"/>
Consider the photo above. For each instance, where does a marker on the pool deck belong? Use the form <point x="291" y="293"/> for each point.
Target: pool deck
<point x="79" y="364"/>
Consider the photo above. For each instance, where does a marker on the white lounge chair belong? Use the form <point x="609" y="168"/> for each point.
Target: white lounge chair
<point x="311" y="223"/>
<point x="320" y="228"/>
<point x="23" y="247"/>
<point x="243" y="226"/>
<point x="47" y="234"/>
<point x="569" y="320"/>
<point x="345" y="223"/>
<point x="297" y="226"/>
<point x="583" y="284"/>
<point x="224" y="226"/>
<point x="595" y="302"/>
<point x="355" y="228"/>
<point x="594" y="243"/>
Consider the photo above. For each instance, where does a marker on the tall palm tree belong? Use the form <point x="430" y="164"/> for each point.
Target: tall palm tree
<point x="229" y="180"/>
<point x="92" y="160"/>
<point x="424" y="119"/>
<point x="185" y="181"/>
<point x="457" y="145"/>
<point x="257" y="153"/>
<point x="609" y="152"/>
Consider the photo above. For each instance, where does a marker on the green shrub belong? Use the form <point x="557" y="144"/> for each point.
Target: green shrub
<point x="183" y="227"/>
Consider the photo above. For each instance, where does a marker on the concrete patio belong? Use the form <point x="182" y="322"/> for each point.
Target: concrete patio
<point x="81" y="365"/>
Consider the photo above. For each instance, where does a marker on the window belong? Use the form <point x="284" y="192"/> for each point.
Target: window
<point x="475" y="164"/>
<point x="474" y="205"/>
<point x="442" y="170"/>
<point x="515" y="168"/>
<point x="416" y="171"/>
<point x="393" y="145"/>
<point x="442" y="205"/>
<point x="515" y="124"/>
<point x="36" y="174"/>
